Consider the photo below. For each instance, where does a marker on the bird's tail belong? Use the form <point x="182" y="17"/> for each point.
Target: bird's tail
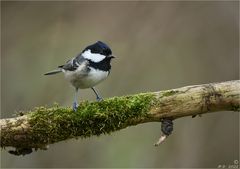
<point x="53" y="72"/>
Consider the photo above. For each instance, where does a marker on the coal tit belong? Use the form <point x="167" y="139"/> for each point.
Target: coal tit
<point x="87" y="69"/>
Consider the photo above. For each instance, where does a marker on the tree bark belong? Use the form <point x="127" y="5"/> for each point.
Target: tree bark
<point x="43" y="126"/>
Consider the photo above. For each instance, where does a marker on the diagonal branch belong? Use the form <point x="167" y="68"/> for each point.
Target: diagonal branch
<point x="43" y="126"/>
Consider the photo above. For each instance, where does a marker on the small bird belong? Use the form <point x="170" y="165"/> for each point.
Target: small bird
<point x="87" y="69"/>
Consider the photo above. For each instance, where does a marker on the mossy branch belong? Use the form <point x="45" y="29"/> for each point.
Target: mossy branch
<point x="43" y="126"/>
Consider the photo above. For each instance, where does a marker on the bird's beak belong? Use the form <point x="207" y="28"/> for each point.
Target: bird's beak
<point x="112" y="56"/>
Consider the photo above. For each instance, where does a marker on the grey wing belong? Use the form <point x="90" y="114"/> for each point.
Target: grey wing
<point x="74" y="63"/>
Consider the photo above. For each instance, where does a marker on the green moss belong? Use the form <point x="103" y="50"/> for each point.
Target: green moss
<point x="91" y="118"/>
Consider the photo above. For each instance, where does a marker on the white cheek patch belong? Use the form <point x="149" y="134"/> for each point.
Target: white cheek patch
<point x="94" y="57"/>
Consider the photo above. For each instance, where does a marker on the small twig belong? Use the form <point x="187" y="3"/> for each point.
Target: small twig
<point x="166" y="128"/>
<point x="160" y="140"/>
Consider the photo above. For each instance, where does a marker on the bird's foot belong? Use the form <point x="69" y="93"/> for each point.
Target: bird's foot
<point x="99" y="99"/>
<point x="75" y="106"/>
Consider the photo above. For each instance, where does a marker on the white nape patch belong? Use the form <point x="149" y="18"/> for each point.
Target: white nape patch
<point x="94" y="57"/>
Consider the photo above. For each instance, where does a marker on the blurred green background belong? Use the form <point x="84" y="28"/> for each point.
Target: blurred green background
<point x="159" y="45"/>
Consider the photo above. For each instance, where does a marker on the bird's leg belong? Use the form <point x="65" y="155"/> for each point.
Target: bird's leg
<point x="75" y="104"/>
<point x="99" y="98"/>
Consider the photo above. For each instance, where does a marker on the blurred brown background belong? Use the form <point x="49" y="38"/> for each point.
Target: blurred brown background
<point x="160" y="45"/>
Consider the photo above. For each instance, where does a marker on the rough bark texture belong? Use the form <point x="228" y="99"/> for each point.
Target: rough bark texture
<point x="43" y="126"/>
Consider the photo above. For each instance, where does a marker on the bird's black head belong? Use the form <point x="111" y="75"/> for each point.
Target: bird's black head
<point x="99" y="56"/>
<point x="99" y="48"/>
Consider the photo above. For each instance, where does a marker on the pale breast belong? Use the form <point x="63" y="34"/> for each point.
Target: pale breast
<point x="86" y="80"/>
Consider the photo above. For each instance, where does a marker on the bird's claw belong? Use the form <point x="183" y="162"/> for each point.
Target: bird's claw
<point x="99" y="99"/>
<point x="75" y="106"/>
